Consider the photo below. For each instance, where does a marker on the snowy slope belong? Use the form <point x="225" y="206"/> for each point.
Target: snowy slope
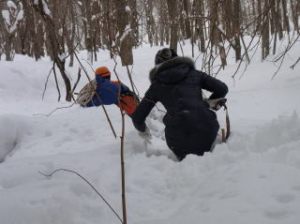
<point x="254" y="178"/>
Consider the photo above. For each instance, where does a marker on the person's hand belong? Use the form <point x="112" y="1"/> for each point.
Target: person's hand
<point x="146" y="135"/>
<point x="216" y="104"/>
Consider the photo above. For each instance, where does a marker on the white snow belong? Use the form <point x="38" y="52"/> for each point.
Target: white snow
<point x="254" y="178"/>
<point x="45" y="7"/>
<point x="11" y="5"/>
<point x="12" y="16"/>
<point x="126" y="32"/>
<point x="5" y="16"/>
<point x="127" y="9"/>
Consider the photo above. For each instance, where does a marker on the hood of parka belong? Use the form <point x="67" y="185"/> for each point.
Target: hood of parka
<point x="172" y="71"/>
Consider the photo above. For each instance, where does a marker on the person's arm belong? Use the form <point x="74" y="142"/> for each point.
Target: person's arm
<point x="143" y="110"/>
<point x="218" y="88"/>
<point x="99" y="81"/>
<point x="96" y="100"/>
<point x="124" y="88"/>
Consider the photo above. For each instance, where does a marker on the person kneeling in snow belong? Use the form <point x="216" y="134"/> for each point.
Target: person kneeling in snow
<point x="103" y="91"/>
<point x="191" y="126"/>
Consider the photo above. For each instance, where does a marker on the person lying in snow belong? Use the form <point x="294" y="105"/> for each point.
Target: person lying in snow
<point x="103" y="91"/>
<point x="191" y="126"/>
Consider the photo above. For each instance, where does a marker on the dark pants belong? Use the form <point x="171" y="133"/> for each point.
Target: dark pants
<point x="189" y="141"/>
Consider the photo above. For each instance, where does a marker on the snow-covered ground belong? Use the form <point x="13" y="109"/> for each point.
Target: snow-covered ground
<point x="254" y="178"/>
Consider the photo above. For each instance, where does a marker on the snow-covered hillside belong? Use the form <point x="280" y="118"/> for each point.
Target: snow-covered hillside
<point x="254" y="178"/>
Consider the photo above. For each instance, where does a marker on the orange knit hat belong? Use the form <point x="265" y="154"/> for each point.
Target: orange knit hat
<point x="102" y="71"/>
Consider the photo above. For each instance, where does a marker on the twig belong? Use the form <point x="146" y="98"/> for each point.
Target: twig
<point x="89" y="63"/>
<point x="130" y="79"/>
<point x="293" y="65"/>
<point x="124" y="208"/>
<point x="122" y="137"/>
<point x="182" y="53"/>
<point x="46" y="83"/>
<point x="81" y="65"/>
<point x="58" y="108"/>
<point x="56" y="82"/>
<point x="246" y="49"/>
<point x="77" y="81"/>
<point x="89" y="183"/>
<point x="255" y="48"/>
<point x="283" y="55"/>
<point x="290" y="45"/>
<point x="135" y="87"/>
<point x="279" y="67"/>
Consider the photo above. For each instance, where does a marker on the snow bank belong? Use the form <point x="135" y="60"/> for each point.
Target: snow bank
<point x="22" y="85"/>
<point x="8" y="136"/>
<point x="281" y="131"/>
<point x="11" y="129"/>
<point x="253" y="178"/>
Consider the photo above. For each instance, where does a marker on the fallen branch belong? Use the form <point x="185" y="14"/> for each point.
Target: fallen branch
<point x="56" y="109"/>
<point x="89" y="183"/>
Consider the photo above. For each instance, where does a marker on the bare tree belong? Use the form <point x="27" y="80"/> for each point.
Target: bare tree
<point x="57" y="50"/>
<point x="216" y="26"/>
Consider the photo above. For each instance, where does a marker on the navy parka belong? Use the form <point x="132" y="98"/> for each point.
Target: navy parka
<point x="190" y="126"/>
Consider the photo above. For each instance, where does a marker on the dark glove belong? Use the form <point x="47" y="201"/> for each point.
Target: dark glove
<point x="216" y="104"/>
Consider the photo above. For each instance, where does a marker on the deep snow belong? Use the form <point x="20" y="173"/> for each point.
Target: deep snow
<point x="254" y="178"/>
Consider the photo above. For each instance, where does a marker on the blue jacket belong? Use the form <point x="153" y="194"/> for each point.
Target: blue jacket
<point x="107" y="92"/>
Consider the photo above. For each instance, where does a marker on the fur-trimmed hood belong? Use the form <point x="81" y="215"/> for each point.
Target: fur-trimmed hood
<point x="172" y="71"/>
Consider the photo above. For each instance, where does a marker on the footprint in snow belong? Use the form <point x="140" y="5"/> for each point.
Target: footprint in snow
<point x="277" y="214"/>
<point x="285" y="198"/>
<point x="296" y="188"/>
<point x="48" y="133"/>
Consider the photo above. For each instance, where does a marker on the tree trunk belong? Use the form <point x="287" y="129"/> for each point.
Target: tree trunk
<point x="285" y="16"/>
<point x="149" y="21"/>
<point x="236" y="27"/>
<point x="173" y="15"/>
<point x="125" y="39"/>
<point x="134" y="22"/>
<point x="265" y="32"/>
<point x="199" y="24"/>
<point x="186" y="8"/>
